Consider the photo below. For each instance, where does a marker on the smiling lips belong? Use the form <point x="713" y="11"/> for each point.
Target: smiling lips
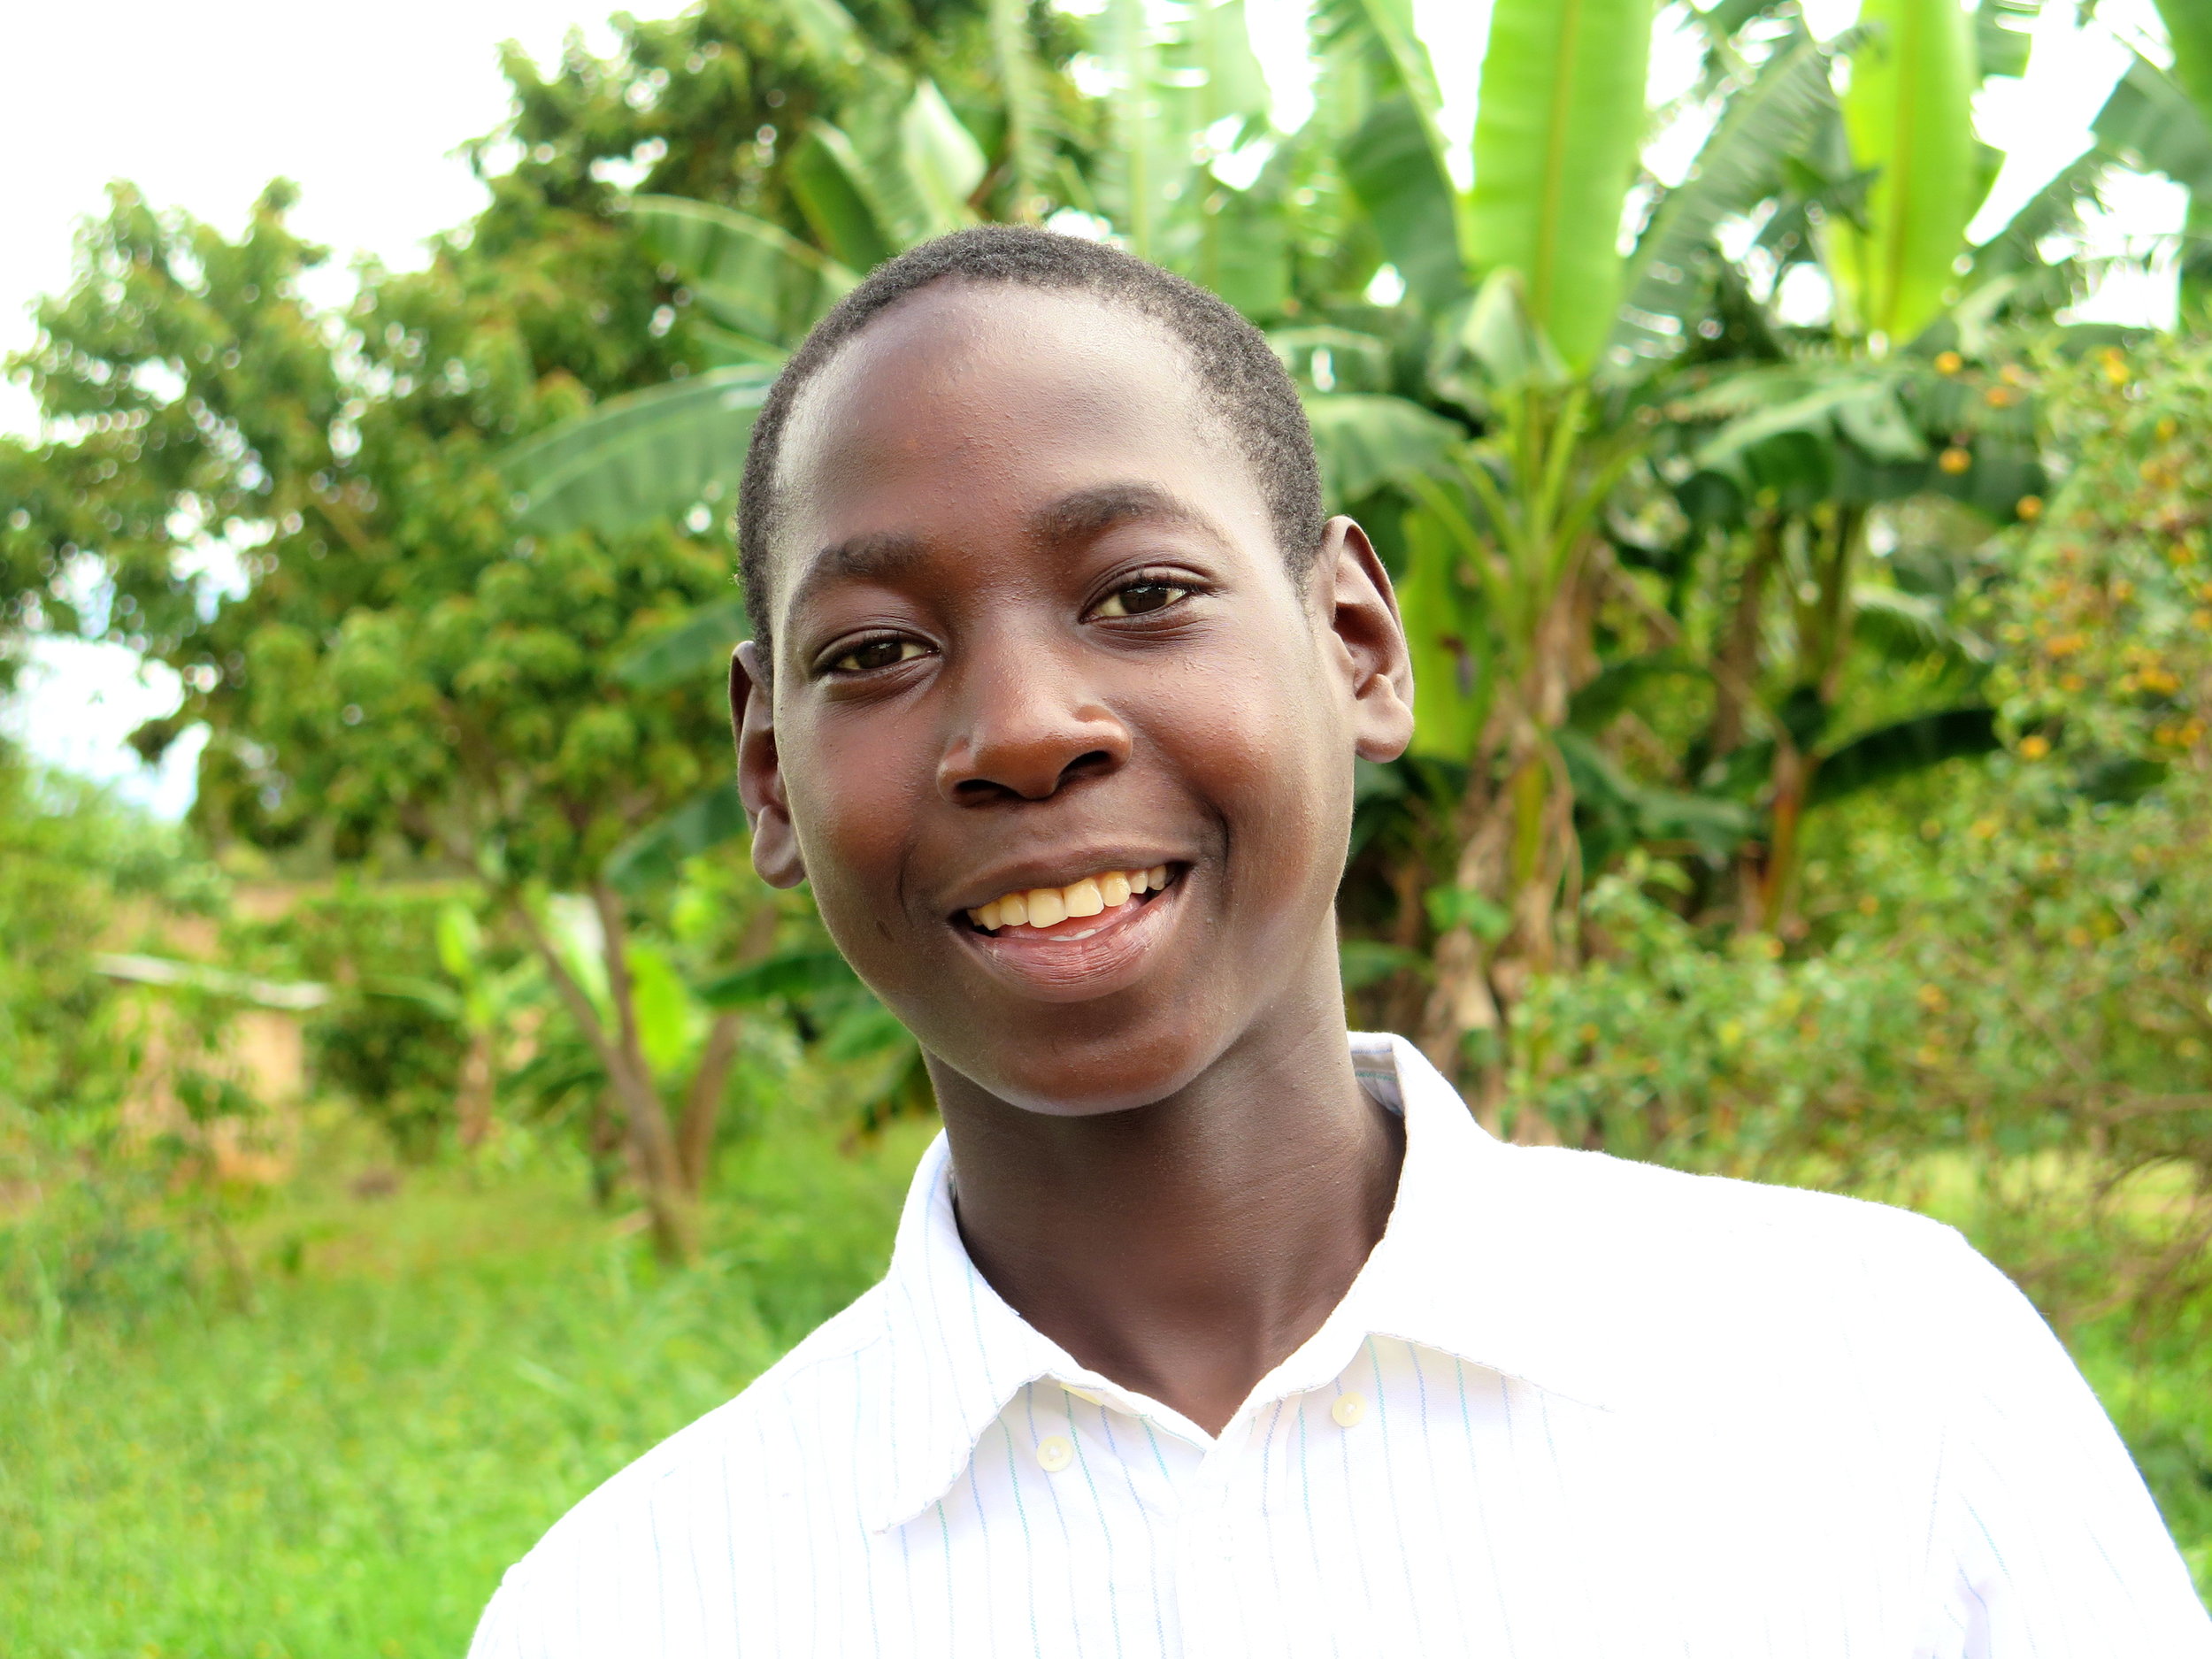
<point x="1046" y="906"/>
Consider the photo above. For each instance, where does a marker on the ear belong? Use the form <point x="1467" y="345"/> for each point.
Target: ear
<point x="760" y="770"/>
<point x="1353" y="594"/>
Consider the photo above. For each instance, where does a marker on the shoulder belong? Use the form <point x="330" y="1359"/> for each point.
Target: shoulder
<point x="1766" y="1280"/>
<point x="753" y="1477"/>
<point x="1681" y="1214"/>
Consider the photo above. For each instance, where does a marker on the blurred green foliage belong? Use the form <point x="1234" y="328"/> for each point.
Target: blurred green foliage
<point x="344" y="1463"/>
<point x="76" y="871"/>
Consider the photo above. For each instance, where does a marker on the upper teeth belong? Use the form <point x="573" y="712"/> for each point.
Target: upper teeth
<point x="1040" y="907"/>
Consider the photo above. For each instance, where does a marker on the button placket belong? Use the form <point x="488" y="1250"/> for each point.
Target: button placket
<point x="1203" y="1544"/>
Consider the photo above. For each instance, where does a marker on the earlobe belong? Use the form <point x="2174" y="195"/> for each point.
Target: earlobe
<point x="1362" y="613"/>
<point x="760" y="771"/>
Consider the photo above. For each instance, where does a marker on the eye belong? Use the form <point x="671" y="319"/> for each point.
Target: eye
<point x="1141" y="598"/>
<point x="884" y="651"/>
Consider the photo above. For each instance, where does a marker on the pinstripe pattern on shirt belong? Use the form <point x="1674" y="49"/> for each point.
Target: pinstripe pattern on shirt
<point x="1603" y="1410"/>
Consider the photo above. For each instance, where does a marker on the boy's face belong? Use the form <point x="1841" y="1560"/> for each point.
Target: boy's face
<point x="1032" y="628"/>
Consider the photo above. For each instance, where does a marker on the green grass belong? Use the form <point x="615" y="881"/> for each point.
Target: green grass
<point x="345" y="1466"/>
<point x="2160" y="1395"/>
<point x="336" y="1454"/>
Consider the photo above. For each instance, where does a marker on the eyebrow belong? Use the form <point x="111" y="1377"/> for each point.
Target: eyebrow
<point x="1088" y="512"/>
<point x="873" y="555"/>
<point x="879" y="555"/>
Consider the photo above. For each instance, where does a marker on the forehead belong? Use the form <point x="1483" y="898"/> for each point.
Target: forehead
<point x="968" y="405"/>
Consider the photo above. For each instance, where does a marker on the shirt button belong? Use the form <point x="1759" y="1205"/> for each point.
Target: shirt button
<point x="1349" y="1409"/>
<point x="1054" y="1454"/>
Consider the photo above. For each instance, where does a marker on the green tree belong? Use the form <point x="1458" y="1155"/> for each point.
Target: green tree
<point x="401" y="676"/>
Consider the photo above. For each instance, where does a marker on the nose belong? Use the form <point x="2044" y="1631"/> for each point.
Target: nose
<point x="1024" y="730"/>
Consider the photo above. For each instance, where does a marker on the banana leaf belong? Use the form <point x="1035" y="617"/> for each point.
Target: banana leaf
<point x="1241" y="248"/>
<point x="1445" y="640"/>
<point x="1389" y="25"/>
<point x="1909" y="627"/>
<point x="1900" y="751"/>
<point x="727" y="349"/>
<point x="2153" y="123"/>
<point x="2053" y="210"/>
<point x="2003" y="35"/>
<point x="827" y="179"/>
<point x="1210" y="73"/>
<point x="793" y="973"/>
<point x="688" y="652"/>
<point x="2189" y="30"/>
<point x="1739" y="166"/>
<point x="1028" y="112"/>
<point x="1405" y="196"/>
<point x="1619" y="685"/>
<point x="1783" y="400"/>
<point x="1134" y="168"/>
<point x="826" y="29"/>
<point x="758" y="277"/>
<point x="1910" y="119"/>
<point x="1614" y="812"/>
<point x="1557" y="134"/>
<point x="1877" y="423"/>
<point x="1367" y="440"/>
<point x="939" y="166"/>
<point x="1396" y="178"/>
<point x="641" y="457"/>
<point x="1500" y="331"/>
<point x="653" y="854"/>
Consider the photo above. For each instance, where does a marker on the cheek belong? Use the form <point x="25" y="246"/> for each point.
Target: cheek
<point x="1265" y="745"/>
<point x="854" y="807"/>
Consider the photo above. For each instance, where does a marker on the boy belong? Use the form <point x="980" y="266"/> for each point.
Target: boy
<point x="1211" y="1329"/>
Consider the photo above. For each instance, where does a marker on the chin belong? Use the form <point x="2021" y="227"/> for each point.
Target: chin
<point x="1069" y="1075"/>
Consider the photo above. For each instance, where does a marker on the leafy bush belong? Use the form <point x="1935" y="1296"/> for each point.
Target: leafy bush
<point x="83" y="872"/>
<point x="1997" y="1003"/>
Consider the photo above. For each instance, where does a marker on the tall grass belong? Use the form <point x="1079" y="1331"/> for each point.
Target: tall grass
<point x="338" y="1454"/>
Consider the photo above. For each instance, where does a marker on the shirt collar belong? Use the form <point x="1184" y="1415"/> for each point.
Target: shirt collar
<point x="1465" y="1266"/>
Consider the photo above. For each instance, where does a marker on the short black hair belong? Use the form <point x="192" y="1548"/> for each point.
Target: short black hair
<point x="1244" y="380"/>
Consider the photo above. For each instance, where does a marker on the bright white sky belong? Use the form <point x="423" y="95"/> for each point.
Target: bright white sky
<point x="200" y="104"/>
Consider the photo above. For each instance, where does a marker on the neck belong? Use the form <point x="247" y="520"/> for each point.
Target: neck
<point x="1186" y="1248"/>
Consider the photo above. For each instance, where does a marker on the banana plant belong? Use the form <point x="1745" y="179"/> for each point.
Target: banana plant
<point x="1899" y="398"/>
<point x="1541" y="330"/>
<point x="2160" y="121"/>
<point x="1596" y="379"/>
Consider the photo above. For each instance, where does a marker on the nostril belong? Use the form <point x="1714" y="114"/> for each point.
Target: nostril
<point x="1022" y="778"/>
<point x="1087" y="765"/>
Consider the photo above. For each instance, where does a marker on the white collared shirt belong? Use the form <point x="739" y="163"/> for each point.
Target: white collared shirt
<point x="1571" y="1406"/>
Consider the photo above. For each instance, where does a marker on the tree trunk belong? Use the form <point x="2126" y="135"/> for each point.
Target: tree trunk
<point x="1737" y="667"/>
<point x="1776" y="889"/>
<point x="1516" y="851"/>
<point x="702" y="1102"/>
<point x="1461" y="1000"/>
<point x="652" y="1143"/>
<point x="1735" y="672"/>
<point x="1824" y="651"/>
<point x="472" y="1101"/>
<point x="602" y="1140"/>
<point x="669" y="1200"/>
